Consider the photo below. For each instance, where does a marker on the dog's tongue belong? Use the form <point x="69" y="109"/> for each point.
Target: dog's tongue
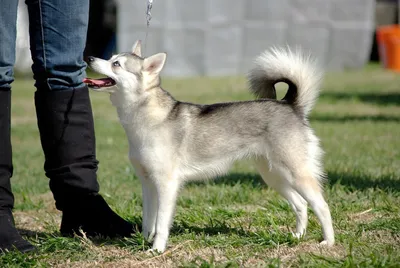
<point x="98" y="82"/>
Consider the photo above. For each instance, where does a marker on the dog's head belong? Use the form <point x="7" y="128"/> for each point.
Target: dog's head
<point x="127" y="72"/>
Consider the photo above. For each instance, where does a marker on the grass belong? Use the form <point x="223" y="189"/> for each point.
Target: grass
<point x="235" y="220"/>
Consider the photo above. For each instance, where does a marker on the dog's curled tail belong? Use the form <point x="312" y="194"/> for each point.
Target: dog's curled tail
<point x="299" y="71"/>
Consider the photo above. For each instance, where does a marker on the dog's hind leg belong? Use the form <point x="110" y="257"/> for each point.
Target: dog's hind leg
<point x="282" y="186"/>
<point x="309" y="188"/>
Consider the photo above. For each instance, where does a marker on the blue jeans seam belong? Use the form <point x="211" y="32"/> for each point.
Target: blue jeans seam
<point x="43" y="41"/>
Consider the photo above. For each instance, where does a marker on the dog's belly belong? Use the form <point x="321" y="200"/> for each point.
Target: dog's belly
<point x="204" y="170"/>
<point x="187" y="164"/>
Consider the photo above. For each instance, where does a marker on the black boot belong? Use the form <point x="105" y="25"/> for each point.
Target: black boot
<point x="10" y="239"/>
<point x="66" y="129"/>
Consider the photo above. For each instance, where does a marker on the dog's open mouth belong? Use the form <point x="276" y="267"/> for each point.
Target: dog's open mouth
<point x="99" y="83"/>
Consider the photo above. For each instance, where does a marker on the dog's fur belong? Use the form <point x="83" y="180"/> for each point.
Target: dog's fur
<point x="171" y="142"/>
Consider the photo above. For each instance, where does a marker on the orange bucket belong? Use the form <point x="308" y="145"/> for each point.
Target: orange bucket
<point x="388" y="39"/>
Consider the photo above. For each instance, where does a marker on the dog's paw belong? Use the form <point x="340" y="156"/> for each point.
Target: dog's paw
<point x="298" y="235"/>
<point x="159" y="245"/>
<point x="153" y="252"/>
<point x="327" y="243"/>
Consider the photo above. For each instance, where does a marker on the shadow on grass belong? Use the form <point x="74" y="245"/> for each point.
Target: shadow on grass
<point x="354" y="118"/>
<point x="379" y="99"/>
<point x="363" y="182"/>
<point x="266" y="235"/>
<point x="214" y="228"/>
<point x="233" y="179"/>
<point x="30" y="233"/>
<point x="51" y="242"/>
<point x="350" y="181"/>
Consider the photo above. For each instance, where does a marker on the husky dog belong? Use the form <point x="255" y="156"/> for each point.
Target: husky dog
<point x="171" y="142"/>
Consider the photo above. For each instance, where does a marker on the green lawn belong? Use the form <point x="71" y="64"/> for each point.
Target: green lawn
<point x="235" y="220"/>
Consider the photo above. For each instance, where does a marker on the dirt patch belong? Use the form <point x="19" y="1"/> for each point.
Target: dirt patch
<point x="184" y="253"/>
<point x="383" y="236"/>
<point x="365" y="216"/>
<point x="46" y="218"/>
<point x="116" y="257"/>
<point x="36" y="221"/>
<point x="287" y="254"/>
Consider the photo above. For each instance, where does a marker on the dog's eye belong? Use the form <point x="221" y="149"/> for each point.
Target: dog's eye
<point x="116" y="64"/>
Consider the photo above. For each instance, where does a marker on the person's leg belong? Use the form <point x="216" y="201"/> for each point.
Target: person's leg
<point x="58" y="31"/>
<point x="9" y="236"/>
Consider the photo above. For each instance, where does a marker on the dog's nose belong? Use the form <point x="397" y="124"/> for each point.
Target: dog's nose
<point x="90" y="58"/>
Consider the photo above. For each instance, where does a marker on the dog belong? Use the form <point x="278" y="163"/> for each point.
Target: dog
<point x="172" y="142"/>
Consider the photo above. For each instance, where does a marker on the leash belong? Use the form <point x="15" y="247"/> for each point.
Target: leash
<point x="148" y="18"/>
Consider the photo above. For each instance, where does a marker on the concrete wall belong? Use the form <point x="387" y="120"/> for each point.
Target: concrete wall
<point x="222" y="37"/>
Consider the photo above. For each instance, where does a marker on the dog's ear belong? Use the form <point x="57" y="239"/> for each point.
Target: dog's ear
<point x="155" y="63"/>
<point x="137" y="48"/>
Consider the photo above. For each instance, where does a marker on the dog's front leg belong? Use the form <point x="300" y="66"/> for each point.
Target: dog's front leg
<point x="145" y="212"/>
<point x="167" y="192"/>
<point x="149" y="197"/>
<point x="149" y="209"/>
